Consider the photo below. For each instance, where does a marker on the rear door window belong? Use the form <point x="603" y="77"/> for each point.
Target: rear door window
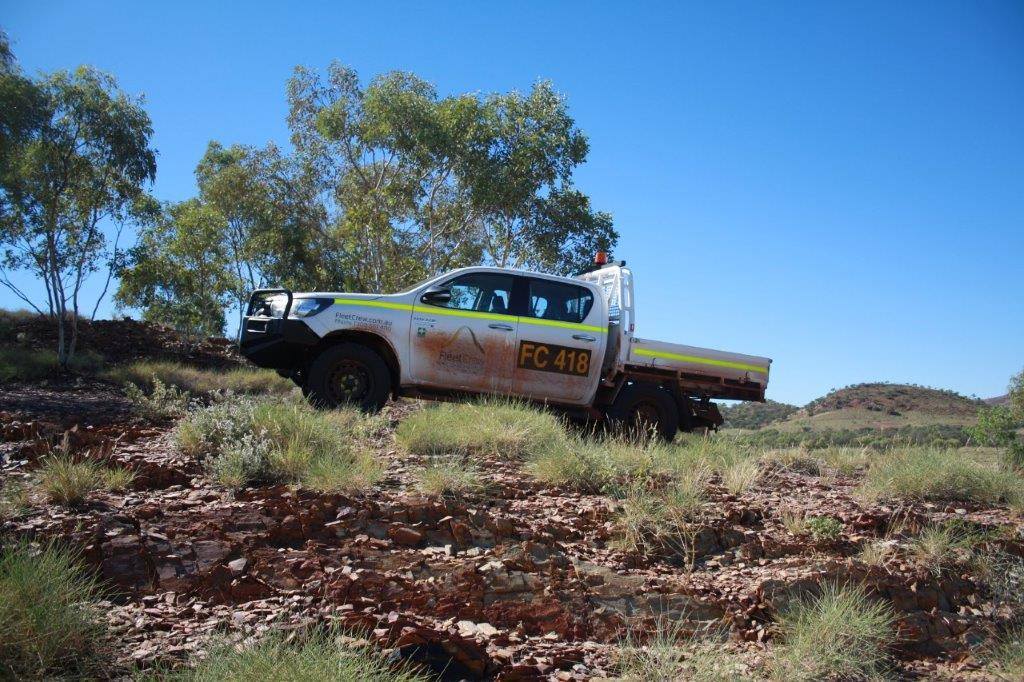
<point x="558" y="301"/>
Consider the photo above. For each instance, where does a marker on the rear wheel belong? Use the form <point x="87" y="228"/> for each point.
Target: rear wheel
<point x="641" y="409"/>
<point x="348" y="374"/>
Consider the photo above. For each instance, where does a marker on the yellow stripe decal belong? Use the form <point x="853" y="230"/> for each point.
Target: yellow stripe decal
<point x="373" y="304"/>
<point x="434" y="310"/>
<point x="698" y="360"/>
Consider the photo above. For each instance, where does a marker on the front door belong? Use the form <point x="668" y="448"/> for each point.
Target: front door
<point x="561" y="343"/>
<point x="467" y="343"/>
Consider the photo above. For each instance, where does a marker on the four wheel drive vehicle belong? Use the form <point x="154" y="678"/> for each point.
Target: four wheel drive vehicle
<point x="564" y="342"/>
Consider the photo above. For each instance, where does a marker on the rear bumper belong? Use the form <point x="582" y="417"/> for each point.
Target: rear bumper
<point x="276" y="343"/>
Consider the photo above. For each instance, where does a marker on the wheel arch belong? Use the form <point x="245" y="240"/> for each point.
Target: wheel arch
<point x="379" y="344"/>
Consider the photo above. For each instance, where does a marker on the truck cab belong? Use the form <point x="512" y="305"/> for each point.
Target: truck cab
<point x="565" y="342"/>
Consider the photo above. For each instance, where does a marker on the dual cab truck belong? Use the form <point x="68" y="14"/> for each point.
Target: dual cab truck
<point x="568" y="343"/>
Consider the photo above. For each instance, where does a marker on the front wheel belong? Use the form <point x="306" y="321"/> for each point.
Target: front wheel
<point x="642" y="408"/>
<point x="348" y="374"/>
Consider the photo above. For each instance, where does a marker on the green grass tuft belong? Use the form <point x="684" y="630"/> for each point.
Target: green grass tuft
<point x="448" y="476"/>
<point x="323" y="655"/>
<point x="68" y="482"/>
<point x="937" y="474"/>
<point x="48" y="628"/>
<point x="840" y="634"/>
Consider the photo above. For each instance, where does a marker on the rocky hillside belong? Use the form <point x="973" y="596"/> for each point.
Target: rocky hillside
<point x="119" y="341"/>
<point x="895" y="399"/>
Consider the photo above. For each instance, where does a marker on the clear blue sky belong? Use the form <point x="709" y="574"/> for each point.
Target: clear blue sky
<point x="839" y="186"/>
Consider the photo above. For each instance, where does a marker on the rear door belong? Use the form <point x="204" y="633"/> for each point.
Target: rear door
<point x="561" y="341"/>
<point x="469" y="342"/>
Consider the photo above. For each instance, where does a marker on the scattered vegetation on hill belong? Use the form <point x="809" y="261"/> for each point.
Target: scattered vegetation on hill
<point x="755" y="415"/>
<point x="895" y="399"/>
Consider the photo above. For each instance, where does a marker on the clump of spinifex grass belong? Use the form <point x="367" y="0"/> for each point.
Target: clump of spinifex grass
<point x="489" y="426"/>
<point x="842" y="633"/>
<point x="670" y="652"/>
<point x="246" y="441"/>
<point x="937" y="474"/>
<point x="48" y="626"/>
<point x="449" y="476"/>
<point x="200" y="381"/>
<point x="67" y="481"/>
<point x="321" y="655"/>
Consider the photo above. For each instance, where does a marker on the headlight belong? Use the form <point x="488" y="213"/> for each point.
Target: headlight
<point x="308" y="307"/>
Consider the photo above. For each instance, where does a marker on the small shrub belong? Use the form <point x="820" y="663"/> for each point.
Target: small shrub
<point x="840" y="634"/>
<point x="935" y="474"/>
<point x="163" y="402"/>
<point x="824" y="528"/>
<point x="68" y="482"/>
<point x="449" y="476"/>
<point x="248" y="441"/>
<point x="198" y="381"/>
<point x="322" y="655"/>
<point x="47" y="624"/>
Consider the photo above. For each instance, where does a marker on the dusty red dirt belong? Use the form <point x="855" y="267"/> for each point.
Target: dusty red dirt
<point x="518" y="582"/>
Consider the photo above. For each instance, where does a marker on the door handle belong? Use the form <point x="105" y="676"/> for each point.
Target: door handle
<point x="583" y="337"/>
<point x="503" y="327"/>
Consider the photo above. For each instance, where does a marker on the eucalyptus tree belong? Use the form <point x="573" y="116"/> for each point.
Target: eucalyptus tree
<point x="76" y="155"/>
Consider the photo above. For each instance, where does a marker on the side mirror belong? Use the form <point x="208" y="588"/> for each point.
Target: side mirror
<point x="437" y="296"/>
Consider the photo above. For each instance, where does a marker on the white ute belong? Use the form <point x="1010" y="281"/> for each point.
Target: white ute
<point x="568" y="343"/>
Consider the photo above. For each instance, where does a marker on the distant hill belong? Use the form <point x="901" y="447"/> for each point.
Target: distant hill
<point x="896" y="399"/>
<point x="756" y="415"/>
<point x="862" y="406"/>
<point x="998" y="400"/>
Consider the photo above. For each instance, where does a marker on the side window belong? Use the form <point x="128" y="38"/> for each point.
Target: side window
<point x="557" y="301"/>
<point x="481" y="291"/>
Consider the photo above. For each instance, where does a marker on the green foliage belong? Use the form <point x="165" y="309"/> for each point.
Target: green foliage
<point x="201" y="382"/>
<point x="938" y="547"/>
<point x="1016" y="393"/>
<point x="840" y="634"/>
<point x="48" y="626"/>
<point x="937" y="474"/>
<point x="755" y="415"/>
<point x="160" y="403"/>
<point x="997" y="426"/>
<point x="75" y="156"/>
<point x="824" y="528"/>
<point x="321" y="655"/>
<point x="246" y="441"/>
<point x="178" y="273"/>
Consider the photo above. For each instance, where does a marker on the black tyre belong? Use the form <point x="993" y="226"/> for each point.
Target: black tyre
<point x="642" y="408"/>
<point x="348" y="374"/>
